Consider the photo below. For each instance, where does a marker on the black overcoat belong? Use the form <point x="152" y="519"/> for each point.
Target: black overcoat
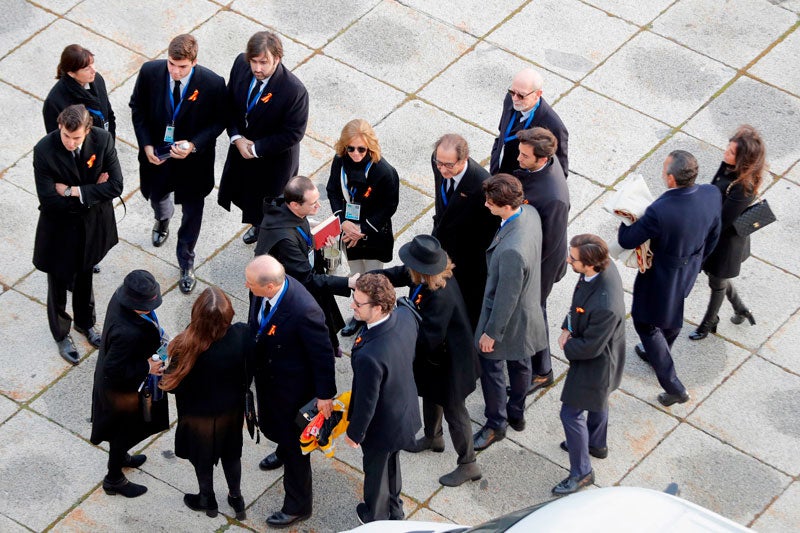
<point x="465" y="228"/>
<point x="275" y="126"/>
<point x="378" y="199"/>
<point x="726" y="259"/>
<point x="446" y="365"/>
<point x="128" y="342"/>
<point x="71" y="235"/>
<point x="200" y="120"/>
<point x="294" y="362"/>
<point x="210" y="399"/>
<point x="384" y="410"/>
<point x="67" y="92"/>
<point x="596" y="349"/>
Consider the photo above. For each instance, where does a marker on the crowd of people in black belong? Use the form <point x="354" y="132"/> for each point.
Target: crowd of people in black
<point x="478" y="284"/>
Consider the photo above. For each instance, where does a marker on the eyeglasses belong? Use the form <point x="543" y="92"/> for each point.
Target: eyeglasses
<point x="359" y="149"/>
<point x="518" y="95"/>
<point x="448" y="166"/>
<point x="571" y="259"/>
<point x="360" y="305"/>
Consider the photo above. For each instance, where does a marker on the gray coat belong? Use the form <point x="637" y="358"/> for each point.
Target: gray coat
<point x="511" y="314"/>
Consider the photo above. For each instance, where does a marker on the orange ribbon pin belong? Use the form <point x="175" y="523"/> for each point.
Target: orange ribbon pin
<point x="90" y="162"/>
<point x="580" y="310"/>
<point x="266" y="98"/>
<point x="193" y="98"/>
<point x="272" y="330"/>
<point x="369" y="190"/>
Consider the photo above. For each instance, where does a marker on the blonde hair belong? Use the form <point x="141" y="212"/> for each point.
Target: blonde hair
<point x="435" y="281"/>
<point x="354" y="128"/>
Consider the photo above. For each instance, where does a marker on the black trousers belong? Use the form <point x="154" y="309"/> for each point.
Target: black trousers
<point x="720" y="289"/>
<point x="541" y="365"/>
<point x="82" y="304"/>
<point x="189" y="231"/>
<point x="382" y="484"/>
<point x="298" y="499"/>
<point x="457" y="421"/>
<point x="657" y="343"/>
<point x="233" y="475"/>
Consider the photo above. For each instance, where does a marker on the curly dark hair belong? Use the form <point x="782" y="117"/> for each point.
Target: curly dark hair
<point x="379" y="290"/>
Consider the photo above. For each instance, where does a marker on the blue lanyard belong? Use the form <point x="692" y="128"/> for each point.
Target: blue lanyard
<point x="154" y="321"/>
<point x="415" y="294"/>
<point x="304" y="235"/>
<point x="352" y="190"/>
<point x="175" y="110"/>
<point x="252" y="103"/>
<point x="265" y="319"/>
<point x="525" y="127"/>
<point x="512" y="217"/>
<point x="97" y="112"/>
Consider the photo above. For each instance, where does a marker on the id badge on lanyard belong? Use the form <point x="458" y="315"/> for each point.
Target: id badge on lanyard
<point x="169" y="134"/>
<point x="352" y="212"/>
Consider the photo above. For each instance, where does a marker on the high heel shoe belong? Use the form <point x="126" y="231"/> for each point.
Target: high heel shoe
<point x="739" y="317"/>
<point x="704" y="329"/>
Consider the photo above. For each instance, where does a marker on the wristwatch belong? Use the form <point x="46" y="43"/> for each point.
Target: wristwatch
<point x="68" y="191"/>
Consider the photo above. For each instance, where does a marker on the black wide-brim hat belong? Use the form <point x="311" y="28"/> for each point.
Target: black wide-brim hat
<point x="140" y="291"/>
<point x="424" y="254"/>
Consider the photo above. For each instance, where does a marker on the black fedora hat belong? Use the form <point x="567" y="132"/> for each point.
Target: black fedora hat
<point x="140" y="291"/>
<point x="424" y="254"/>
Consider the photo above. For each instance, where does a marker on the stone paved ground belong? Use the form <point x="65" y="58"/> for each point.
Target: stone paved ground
<point x="631" y="80"/>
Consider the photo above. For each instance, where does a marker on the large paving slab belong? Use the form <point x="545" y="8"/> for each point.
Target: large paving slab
<point x="37" y="472"/>
<point x="705" y="468"/>
<point x="781" y="348"/>
<point x="783" y="514"/>
<point x="17" y="142"/>
<point x="19" y="19"/>
<point x="771" y="67"/>
<point x="783" y="198"/>
<point x="20" y="215"/>
<point x="7" y="408"/>
<point x="633" y="10"/>
<point x="459" y="13"/>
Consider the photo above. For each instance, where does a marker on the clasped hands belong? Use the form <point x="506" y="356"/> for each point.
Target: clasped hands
<point x="351" y="233"/>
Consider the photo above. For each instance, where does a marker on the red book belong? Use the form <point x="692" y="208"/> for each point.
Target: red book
<point x="330" y="227"/>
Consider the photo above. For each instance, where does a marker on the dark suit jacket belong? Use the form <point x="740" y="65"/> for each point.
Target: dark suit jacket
<point x="67" y="92"/>
<point x="384" y="412"/>
<point x="201" y="119"/>
<point x="465" y="228"/>
<point x="547" y="191"/>
<point x="276" y="127"/>
<point x="294" y="361"/>
<point x="544" y="117"/>
<point x="71" y="235"/>
<point x="596" y="349"/>
<point x="683" y="226"/>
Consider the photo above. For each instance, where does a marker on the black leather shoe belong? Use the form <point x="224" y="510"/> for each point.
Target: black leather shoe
<point x="160" y="232"/>
<point x="199" y="502"/>
<point x="435" y="444"/>
<point x="600" y="453"/>
<point x="91" y="335"/>
<point x="739" y="317"/>
<point x="666" y="399"/>
<point x="270" y="462"/>
<point x="281" y="519"/>
<point x="639" y="349"/>
<point x="237" y="503"/>
<point x="250" y="236"/>
<point x="134" y="461"/>
<point x="517" y="424"/>
<point x="361" y="513"/>
<point x="96" y="269"/>
<point x="486" y="437"/>
<point x="571" y="484"/>
<point x="123" y="487"/>
<point x="188" y="280"/>
<point x="67" y="350"/>
<point x="351" y="328"/>
<point x="704" y="329"/>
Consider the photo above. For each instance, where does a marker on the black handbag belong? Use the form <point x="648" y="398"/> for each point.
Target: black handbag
<point x="250" y="417"/>
<point x="754" y="218"/>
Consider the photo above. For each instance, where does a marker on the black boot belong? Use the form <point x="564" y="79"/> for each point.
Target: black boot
<point x="704" y="329"/>
<point x="711" y="318"/>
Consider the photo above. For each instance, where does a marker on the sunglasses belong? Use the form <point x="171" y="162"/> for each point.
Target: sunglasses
<point x="514" y="93"/>
<point x="448" y="166"/>
<point x="359" y="149"/>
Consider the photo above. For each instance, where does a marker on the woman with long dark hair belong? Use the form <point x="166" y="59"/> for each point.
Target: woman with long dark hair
<point x="208" y="373"/>
<point x="738" y="178"/>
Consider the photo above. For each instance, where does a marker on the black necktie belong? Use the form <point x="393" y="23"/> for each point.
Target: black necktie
<point x="254" y="92"/>
<point x="450" y="188"/>
<point x="176" y="93"/>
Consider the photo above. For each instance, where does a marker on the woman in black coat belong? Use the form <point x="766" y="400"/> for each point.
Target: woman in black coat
<point x="208" y="373"/>
<point x="738" y="178"/>
<point x="364" y="190"/>
<point x="79" y="83"/>
<point x="131" y="335"/>
<point x="446" y="366"/>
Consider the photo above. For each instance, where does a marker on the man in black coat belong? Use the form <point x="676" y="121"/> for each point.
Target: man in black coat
<point x="286" y="235"/>
<point x="178" y="110"/>
<point x="268" y="113"/>
<point x="524" y="108"/>
<point x="383" y="412"/>
<point x="461" y="222"/>
<point x="545" y="189"/>
<point x="77" y="176"/>
<point x="294" y="364"/>
<point x="593" y="340"/>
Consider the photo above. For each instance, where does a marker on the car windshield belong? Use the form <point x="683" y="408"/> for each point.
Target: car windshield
<point x="502" y="523"/>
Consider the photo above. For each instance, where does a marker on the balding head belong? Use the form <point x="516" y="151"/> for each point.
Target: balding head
<point x="264" y="276"/>
<point x="526" y="88"/>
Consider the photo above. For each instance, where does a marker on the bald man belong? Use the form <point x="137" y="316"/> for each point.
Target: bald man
<point x="525" y="108"/>
<point x="294" y="365"/>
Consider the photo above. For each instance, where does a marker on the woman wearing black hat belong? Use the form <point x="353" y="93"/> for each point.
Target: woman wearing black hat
<point x="131" y="335"/>
<point x="446" y="365"/>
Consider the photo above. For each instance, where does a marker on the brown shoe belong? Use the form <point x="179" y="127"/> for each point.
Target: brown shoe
<point x="486" y="437"/>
